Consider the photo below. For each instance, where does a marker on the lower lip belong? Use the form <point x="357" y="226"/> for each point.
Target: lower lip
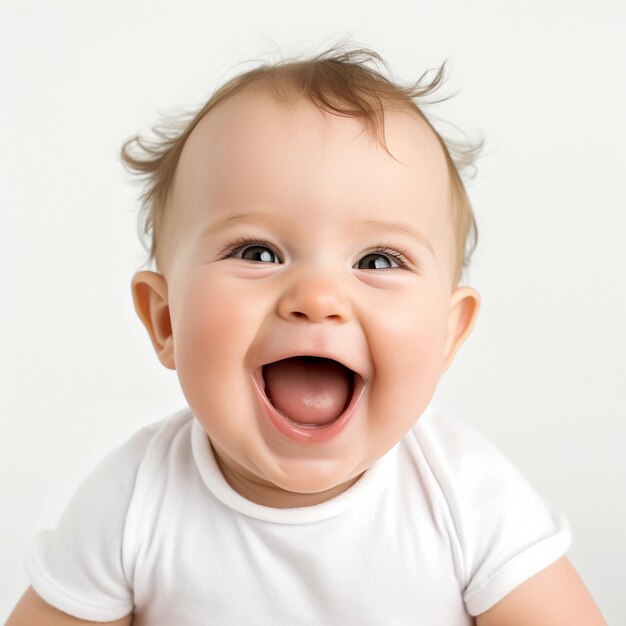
<point x="307" y="434"/>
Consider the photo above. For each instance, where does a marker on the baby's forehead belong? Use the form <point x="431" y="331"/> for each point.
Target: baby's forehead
<point x="254" y="140"/>
<point x="254" y="143"/>
<point x="255" y="113"/>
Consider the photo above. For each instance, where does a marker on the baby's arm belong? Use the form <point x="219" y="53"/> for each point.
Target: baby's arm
<point x="31" y="610"/>
<point x="555" y="596"/>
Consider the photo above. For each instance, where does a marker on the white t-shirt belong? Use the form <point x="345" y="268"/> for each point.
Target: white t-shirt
<point x="438" y="530"/>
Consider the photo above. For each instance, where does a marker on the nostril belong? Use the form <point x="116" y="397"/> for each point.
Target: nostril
<point x="304" y="316"/>
<point x="313" y="302"/>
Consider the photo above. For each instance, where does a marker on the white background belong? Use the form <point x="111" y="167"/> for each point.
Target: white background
<point x="542" y="375"/>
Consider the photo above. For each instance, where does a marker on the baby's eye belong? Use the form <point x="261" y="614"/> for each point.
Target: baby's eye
<point x="376" y="261"/>
<point x="257" y="254"/>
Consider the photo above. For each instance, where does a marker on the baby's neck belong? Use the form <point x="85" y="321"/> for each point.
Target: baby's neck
<point x="267" y="494"/>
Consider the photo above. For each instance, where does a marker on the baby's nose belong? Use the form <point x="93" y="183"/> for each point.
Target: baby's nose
<point x="314" y="297"/>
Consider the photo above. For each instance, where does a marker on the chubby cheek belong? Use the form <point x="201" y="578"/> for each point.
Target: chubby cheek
<point x="210" y="335"/>
<point x="407" y="349"/>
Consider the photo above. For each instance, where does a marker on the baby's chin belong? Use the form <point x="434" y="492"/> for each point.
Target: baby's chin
<point x="308" y="491"/>
<point x="291" y="486"/>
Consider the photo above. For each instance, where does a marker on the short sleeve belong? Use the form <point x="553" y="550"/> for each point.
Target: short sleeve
<point x="79" y="566"/>
<point x="505" y="532"/>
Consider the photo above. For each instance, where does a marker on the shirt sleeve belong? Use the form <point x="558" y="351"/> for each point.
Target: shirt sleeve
<point x="505" y="532"/>
<point x="79" y="566"/>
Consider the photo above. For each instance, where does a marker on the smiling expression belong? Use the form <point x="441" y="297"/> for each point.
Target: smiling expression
<point x="292" y="232"/>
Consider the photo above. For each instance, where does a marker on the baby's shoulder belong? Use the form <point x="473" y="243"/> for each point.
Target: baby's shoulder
<point x="450" y="446"/>
<point x="117" y="477"/>
<point x="149" y="443"/>
<point x="466" y="470"/>
<point x="501" y="530"/>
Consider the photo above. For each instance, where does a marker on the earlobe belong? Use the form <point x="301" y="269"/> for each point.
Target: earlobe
<point x="150" y="298"/>
<point x="464" y="307"/>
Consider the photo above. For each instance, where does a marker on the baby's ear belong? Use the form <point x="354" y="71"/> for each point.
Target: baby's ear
<point x="464" y="306"/>
<point x="151" y="303"/>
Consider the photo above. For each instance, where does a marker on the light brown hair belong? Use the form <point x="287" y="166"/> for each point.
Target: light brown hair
<point x="338" y="81"/>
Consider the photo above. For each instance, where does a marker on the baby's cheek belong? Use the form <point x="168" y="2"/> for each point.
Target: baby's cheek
<point x="208" y="330"/>
<point x="408" y="354"/>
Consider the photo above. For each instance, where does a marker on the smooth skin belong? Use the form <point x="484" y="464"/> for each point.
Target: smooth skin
<point x="33" y="611"/>
<point x="217" y="311"/>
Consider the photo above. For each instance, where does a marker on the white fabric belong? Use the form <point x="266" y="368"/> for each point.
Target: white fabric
<point x="441" y="528"/>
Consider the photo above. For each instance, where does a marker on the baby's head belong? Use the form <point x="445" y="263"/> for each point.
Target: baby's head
<point x="345" y="83"/>
<point x="309" y="230"/>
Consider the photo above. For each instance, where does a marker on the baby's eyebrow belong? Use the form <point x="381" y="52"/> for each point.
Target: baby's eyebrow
<point x="376" y="226"/>
<point x="369" y="226"/>
<point x="235" y="218"/>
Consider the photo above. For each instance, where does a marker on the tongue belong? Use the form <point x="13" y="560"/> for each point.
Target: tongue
<point x="308" y="390"/>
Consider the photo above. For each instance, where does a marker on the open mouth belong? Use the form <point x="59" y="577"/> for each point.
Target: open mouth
<point x="308" y="398"/>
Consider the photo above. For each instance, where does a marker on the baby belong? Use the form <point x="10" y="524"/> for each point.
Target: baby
<point x="309" y="229"/>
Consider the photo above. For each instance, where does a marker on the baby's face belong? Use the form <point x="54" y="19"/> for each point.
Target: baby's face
<point x="295" y="234"/>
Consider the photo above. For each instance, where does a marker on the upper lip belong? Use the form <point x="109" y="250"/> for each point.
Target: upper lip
<point x="346" y="361"/>
<point x="351" y="360"/>
<point x="346" y="345"/>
